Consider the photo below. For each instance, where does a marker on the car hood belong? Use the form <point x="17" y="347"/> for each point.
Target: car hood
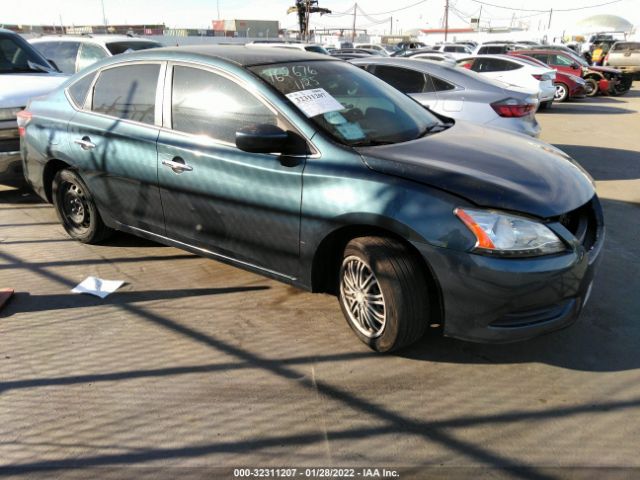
<point x="604" y="69"/>
<point x="17" y="88"/>
<point x="489" y="167"/>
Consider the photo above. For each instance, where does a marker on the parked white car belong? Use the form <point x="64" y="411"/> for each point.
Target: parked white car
<point x="373" y="46"/>
<point x="435" y="57"/>
<point x="72" y="53"/>
<point x="24" y="74"/>
<point x="457" y="93"/>
<point x="306" y="47"/>
<point x="455" y="50"/>
<point x="516" y="73"/>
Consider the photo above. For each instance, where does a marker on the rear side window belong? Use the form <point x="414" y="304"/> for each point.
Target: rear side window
<point x="494" y="65"/>
<point x="205" y="103"/>
<point x="127" y="92"/>
<point x="543" y="57"/>
<point x="407" y="81"/>
<point x="440" y="85"/>
<point x="618" y="47"/>
<point x="89" y="54"/>
<point x="117" y="48"/>
<point x="79" y="89"/>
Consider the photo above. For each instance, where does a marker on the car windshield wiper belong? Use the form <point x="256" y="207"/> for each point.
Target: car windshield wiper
<point x="435" y="128"/>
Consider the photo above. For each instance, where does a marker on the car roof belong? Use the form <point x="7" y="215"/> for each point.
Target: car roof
<point x="243" y="55"/>
<point x="90" y="38"/>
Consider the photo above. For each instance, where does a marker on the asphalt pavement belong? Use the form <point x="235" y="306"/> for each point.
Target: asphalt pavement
<point x="194" y="367"/>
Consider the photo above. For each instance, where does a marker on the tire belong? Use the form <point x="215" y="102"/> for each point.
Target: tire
<point x="546" y="105"/>
<point x="618" y="90"/>
<point x="76" y="208"/>
<point x="591" y="87"/>
<point x="383" y="293"/>
<point x="562" y="92"/>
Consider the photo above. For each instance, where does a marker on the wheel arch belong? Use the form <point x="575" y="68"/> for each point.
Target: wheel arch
<point x="328" y="256"/>
<point x="52" y="167"/>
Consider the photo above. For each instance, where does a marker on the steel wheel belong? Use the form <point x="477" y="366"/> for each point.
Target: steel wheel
<point x="74" y="206"/>
<point x="362" y="297"/>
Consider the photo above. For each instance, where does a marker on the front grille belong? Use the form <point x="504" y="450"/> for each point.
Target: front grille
<point x="582" y="223"/>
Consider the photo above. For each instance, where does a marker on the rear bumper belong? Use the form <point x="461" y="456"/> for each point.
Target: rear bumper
<point x="500" y="300"/>
<point x="525" y="126"/>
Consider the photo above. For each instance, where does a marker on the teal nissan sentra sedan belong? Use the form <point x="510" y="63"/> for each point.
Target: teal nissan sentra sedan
<point x="313" y="172"/>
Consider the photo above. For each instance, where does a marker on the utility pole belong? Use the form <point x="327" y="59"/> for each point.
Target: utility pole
<point x="353" y="28"/>
<point x="446" y="20"/>
<point x="550" y="14"/>
<point x="391" y="29"/>
<point x="479" y="18"/>
<point x="104" y="17"/>
<point x="513" y="17"/>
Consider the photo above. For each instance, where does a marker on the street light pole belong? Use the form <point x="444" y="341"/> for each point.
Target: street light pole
<point x="104" y="16"/>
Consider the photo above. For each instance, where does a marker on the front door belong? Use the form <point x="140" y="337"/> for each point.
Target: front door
<point x="215" y="196"/>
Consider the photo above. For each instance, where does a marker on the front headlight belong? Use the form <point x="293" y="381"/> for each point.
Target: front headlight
<point x="9" y="113"/>
<point x="509" y="235"/>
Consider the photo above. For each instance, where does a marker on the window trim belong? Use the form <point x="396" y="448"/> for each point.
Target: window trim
<point x="86" y="108"/>
<point x="166" y="124"/>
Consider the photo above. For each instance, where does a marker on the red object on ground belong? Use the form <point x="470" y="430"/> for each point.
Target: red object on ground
<point x="5" y="295"/>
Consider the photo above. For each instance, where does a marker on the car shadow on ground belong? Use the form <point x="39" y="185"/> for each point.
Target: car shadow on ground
<point x="605" y="163"/>
<point x="589" y="109"/>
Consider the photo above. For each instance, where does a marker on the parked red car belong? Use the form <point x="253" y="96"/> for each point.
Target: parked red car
<point x="607" y="81"/>
<point x="568" y="86"/>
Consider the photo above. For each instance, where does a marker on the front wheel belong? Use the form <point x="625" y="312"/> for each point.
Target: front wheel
<point x="76" y="208"/>
<point x="619" y="89"/>
<point x="591" y="87"/>
<point x="562" y="92"/>
<point x="383" y="293"/>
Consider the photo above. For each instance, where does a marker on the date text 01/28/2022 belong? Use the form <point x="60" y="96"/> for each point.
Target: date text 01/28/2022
<point x="315" y="473"/>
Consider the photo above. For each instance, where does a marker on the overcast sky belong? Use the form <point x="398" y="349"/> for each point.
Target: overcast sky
<point x="200" y="13"/>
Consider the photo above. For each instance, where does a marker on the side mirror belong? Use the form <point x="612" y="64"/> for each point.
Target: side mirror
<point x="575" y="65"/>
<point x="262" y="138"/>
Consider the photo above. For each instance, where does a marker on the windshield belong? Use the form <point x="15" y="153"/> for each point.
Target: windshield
<point x="351" y="105"/>
<point x="16" y="56"/>
<point x="122" y="47"/>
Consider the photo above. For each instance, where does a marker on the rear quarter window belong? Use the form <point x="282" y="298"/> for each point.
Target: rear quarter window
<point x="79" y="90"/>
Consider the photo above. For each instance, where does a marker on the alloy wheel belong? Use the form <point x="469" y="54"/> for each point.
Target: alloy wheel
<point x="361" y="295"/>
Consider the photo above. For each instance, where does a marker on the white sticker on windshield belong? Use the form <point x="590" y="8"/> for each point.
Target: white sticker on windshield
<point x="314" y="102"/>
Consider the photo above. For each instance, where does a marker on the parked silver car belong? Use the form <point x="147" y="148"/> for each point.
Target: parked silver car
<point x="24" y="74"/>
<point x="458" y="93"/>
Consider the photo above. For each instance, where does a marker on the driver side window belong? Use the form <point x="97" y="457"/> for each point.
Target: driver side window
<point x="205" y="103"/>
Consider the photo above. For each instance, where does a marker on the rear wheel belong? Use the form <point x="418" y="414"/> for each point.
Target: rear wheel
<point x="562" y="92"/>
<point x="591" y="87"/>
<point x="619" y="89"/>
<point x="76" y="209"/>
<point x="383" y="293"/>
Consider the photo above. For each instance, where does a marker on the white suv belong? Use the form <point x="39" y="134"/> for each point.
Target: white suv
<point x="24" y="74"/>
<point x="72" y="53"/>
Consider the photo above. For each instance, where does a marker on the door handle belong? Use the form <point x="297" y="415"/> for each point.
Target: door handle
<point x="85" y="143"/>
<point x="177" y="165"/>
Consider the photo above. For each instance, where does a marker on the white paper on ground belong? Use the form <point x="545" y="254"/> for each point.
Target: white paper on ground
<point x="97" y="286"/>
<point x="315" y="101"/>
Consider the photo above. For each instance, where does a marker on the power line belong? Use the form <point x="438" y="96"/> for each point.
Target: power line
<point x="555" y="9"/>
<point x="401" y="8"/>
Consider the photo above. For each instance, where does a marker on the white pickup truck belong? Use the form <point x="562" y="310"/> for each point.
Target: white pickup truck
<point x="624" y="56"/>
<point x="24" y="74"/>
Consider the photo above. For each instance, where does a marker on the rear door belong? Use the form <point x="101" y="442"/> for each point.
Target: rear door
<point x="237" y="204"/>
<point x="113" y="141"/>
